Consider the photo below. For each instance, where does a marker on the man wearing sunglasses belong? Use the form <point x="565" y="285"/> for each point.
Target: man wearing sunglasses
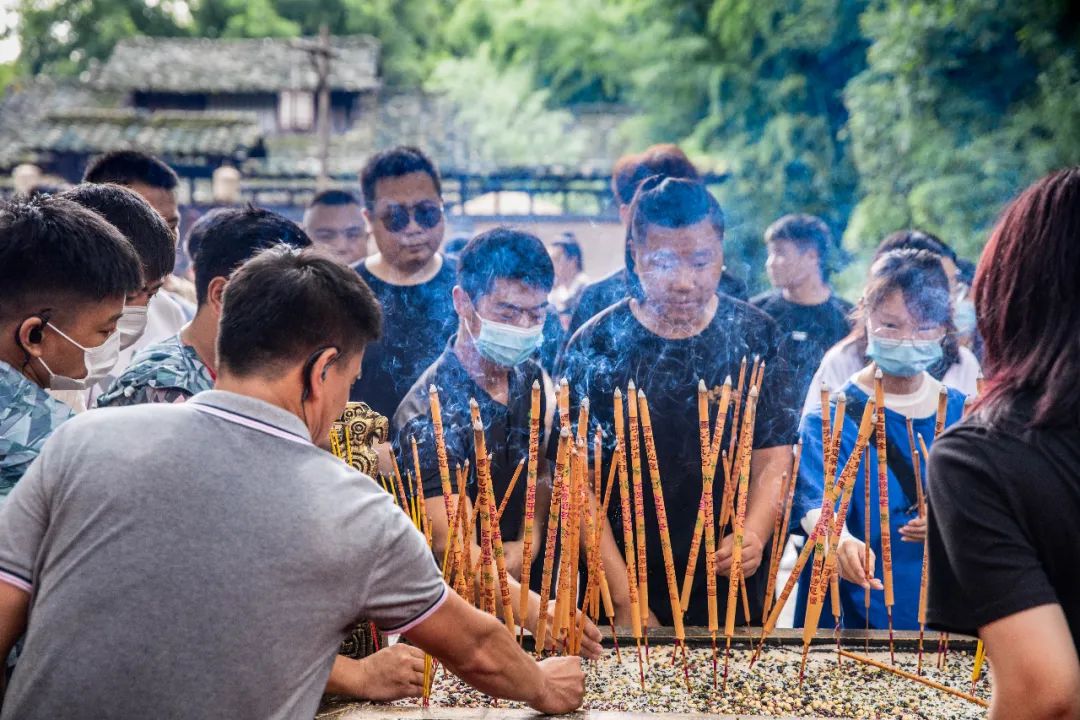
<point x="412" y="281"/>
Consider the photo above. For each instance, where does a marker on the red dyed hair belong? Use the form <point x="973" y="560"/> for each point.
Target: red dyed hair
<point x="1027" y="297"/>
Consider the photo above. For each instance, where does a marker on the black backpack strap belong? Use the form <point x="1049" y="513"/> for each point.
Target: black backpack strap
<point x="895" y="459"/>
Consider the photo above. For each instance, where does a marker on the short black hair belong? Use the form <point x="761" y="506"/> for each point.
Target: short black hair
<point x="125" y="167"/>
<point x="504" y="253"/>
<point x="283" y="305"/>
<point x="671" y="203"/>
<point x="53" y="250"/>
<point x="396" y="162"/>
<point x="571" y="249"/>
<point x="334" y="198"/>
<point x="227" y="237"/>
<point x="915" y="240"/>
<point x="136" y="219"/>
<point x="806" y="232"/>
<point x="665" y="159"/>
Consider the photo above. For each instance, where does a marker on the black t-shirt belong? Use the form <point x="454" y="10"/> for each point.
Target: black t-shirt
<point x="614" y="348"/>
<point x="506" y="431"/>
<point x="417" y="321"/>
<point x="602" y="294"/>
<point x="809" y="329"/>
<point x="1003" y="530"/>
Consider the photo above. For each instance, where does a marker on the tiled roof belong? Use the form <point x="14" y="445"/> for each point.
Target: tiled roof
<point x="201" y="65"/>
<point x="170" y="134"/>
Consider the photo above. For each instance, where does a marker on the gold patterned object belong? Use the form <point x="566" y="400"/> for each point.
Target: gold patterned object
<point x="353" y="438"/>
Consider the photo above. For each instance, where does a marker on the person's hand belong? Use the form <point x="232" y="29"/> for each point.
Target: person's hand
<point x="513" y="551"/>
<point x="384" y="451"/>
<point x="563" y="686"/>
<point x="751" y="553"/>
<point x="850" y="556"/>
<point x="393" y="673"/>
<point x="591" y="639"/>
<point x="914" y="530"/>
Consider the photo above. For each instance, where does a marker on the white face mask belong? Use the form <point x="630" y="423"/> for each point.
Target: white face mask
<point x="98" y="361"/>
<point x="131" y="326"/>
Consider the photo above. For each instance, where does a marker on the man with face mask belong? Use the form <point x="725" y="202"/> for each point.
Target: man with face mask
<point x="64" y="274"/>
<point x="501" y="298"/>
<point x="227" y="537"/>
<point x="412" y="280"/>
<point x="155" y="244"/>
<point x="185" y="364"/>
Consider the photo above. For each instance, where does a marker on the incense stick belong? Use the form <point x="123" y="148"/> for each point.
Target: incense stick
<point x="639" y="513"/>
<point x="923" y="576"/>
<point x="736" y="576"/>
<point x="628" y="532"/>
<point x="662" y="526"/>
<point x="883" y="505"/>
<point x="781" y="544"/>
<point x="911" y="676"/>
<point x="530" y="504"/>
<point x="552" y="530"/>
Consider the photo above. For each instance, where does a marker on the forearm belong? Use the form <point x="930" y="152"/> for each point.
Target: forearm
<point x="615" y="571"/>
<point x="346" y="677"/>
<point x="14" y="603"/>
<point x="485" y="655"/>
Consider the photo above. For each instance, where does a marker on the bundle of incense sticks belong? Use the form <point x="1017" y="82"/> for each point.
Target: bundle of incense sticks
<point x="780" y="536"/>
<point x="921" y="504"/>
<point x="710" y="446"/>
<point x="883" y="506"/>
<point x="639" y="513"/>
<point x="736" y="577"/>
<point x="845" y="479"/>
<point x="491" y="547"/>
<point x="530" y="503"/>
<point x="628" y="532"/>
<point x="834" y="585"/>
<point x="466" y="536"/>
<point x="444" y="466"/>
<point x="662" y="526"/>
<point x="554" y="512"/>
<point x="833" y="525"/>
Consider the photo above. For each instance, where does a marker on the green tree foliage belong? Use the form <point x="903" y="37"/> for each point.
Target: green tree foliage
<point x="961" y="105"/>
<point x="874" y="114"/>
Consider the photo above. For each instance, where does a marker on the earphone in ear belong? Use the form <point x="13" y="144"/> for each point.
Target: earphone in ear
<point x="309" y="364"/>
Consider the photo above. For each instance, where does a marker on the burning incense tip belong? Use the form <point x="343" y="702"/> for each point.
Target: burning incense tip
<point x="473" y="403"/>
<point x="641" y="394"/>
<point x="878" y="375"/>
<point x="618" y="393"/>
<point x="841" y="397"/>
<point x="824" y="386"/>
<point x="564" y="383"/>
<point x="701" y="385"/>
<point x="536" y="385"/>
<point x="753" y="392"/>
<point x="631" y="387"/>
<point x="432" y="388"/>
<point x="727" y="381"/>
<point x="585" y="402"/>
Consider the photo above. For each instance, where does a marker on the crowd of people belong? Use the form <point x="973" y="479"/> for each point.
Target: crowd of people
<point x="174" y="535"/>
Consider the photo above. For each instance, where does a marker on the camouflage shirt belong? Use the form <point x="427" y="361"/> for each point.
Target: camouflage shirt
<point x="28" y="416"/>
<point x="168" y="372"/>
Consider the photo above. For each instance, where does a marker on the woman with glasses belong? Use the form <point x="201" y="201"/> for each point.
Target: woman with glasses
<point x="906" y="314"/>
<point x="957" y="368"/>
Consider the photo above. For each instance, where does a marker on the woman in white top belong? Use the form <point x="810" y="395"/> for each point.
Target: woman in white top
<point x="958" y="367"/>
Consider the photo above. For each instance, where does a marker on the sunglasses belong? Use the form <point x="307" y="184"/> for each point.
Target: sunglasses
<point x="395" y="218"/>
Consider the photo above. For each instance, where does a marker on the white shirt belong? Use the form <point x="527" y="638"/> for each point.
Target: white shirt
<point x="843" y="360"/>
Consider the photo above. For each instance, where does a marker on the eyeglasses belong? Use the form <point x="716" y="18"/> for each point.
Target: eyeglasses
<point x="896" y="334"/>
<point x="395" y="218"/>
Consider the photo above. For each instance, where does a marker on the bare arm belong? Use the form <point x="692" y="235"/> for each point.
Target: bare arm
<point x="393" y="673"/>
<point x="14" y="603"/>
<point x="1036" y="671"/>
<point x="591" y="641"/>
<point x="477" y="648"/>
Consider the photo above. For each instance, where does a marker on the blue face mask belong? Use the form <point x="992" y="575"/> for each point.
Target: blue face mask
<point x="964" y="316"/>
<point x="506" y="345"/>
<point x="903" y="358"/>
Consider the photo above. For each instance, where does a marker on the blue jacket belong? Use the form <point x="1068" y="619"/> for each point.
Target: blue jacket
<point x="906" y="556"/>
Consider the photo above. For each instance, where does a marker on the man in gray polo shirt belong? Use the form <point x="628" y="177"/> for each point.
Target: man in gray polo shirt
<point x="205" y="560"/>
